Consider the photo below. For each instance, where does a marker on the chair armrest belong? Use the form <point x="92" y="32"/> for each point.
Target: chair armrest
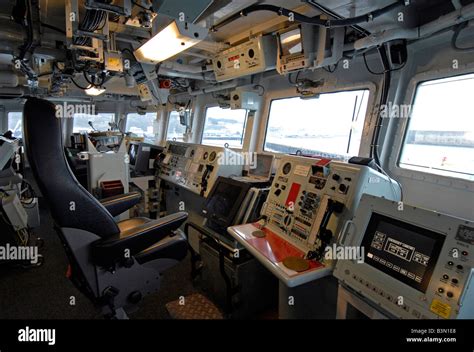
<point x="110" y="250"/>
<point x="116" y="205"/>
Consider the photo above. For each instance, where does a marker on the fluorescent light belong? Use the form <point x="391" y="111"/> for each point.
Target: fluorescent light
<point x="94" y="91"/>
<point x="170" y="41"/>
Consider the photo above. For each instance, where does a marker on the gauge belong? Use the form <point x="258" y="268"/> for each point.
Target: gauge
<point x="212" y="157"/>
<point x="286" y="168"/>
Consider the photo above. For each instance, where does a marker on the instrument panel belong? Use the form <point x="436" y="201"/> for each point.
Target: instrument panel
<point x="196" y="167"/>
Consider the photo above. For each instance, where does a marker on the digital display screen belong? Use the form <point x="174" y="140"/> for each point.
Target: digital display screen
<point x="291" y="42"/>
<point x="403" y="251"/>
<point x="263" y="167"/>
<point x="177" y="149"/>
<point x="223" y="200"/>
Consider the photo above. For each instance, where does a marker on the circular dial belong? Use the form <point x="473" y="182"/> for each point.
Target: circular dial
<point x="212" y="157"/>
<point x="286" y="168"/>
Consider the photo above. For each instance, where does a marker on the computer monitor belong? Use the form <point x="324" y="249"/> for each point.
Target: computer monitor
<point x="263" y="167"/>
<point x="142" y="155"/>
<point x="224" y="202"/>
<point x="404" y="251"/>
<point x="291" y="42"/>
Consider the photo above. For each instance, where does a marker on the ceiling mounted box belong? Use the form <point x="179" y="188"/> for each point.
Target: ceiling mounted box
<point x="254" y="56"/>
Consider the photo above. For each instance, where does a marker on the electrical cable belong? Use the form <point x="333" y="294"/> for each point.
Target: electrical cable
<point x="262" y="88"/>
<point x="79" y="86"/>
<point x="310" y="20"/>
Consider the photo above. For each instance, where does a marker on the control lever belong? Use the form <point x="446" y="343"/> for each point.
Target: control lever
<point x="324" y="234"/>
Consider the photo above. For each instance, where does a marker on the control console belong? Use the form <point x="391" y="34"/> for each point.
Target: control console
<point x="306" y="208"/>
<point x="417" y="263"/>
<point x="196" y="167"/>
<point x="310" y="198"/>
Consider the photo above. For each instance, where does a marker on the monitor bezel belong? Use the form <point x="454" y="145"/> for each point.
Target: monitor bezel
<point x="225" y="222"/>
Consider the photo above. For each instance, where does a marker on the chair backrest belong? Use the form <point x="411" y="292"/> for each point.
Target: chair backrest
<point x="71" y="205"/>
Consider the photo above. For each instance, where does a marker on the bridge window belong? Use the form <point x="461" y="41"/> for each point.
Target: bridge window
<point x="224" y="126"/>
<point x="100" y="122"/>
<point x="15" y="123"/>
<point x="175" y="129"/>
<point x="329" y="125"/>
<point x="143" y="126"/>
<point x="440" y="134"/>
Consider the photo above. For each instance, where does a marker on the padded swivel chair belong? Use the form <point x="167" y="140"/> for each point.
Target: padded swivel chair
<point x="114" y="263"/>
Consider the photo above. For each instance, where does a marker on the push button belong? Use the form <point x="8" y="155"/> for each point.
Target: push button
<point x="445" y="277"/>
<point x="450" y="294"/>
<point x="440" y="290"/>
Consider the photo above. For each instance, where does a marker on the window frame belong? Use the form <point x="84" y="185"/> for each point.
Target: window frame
<point x="244" y="127"/>
<point x="402" y="130"/>
<point x="369" y="123"/>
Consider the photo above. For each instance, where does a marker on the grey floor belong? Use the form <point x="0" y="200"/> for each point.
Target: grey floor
<point x="45" y="292"/>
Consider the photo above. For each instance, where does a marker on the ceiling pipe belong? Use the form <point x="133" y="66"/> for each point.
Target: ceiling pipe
<point x="186" y="68"/>
<point x="461" y="15"/>
<point x="198" y="76"/>
<point x="214" y="88"/>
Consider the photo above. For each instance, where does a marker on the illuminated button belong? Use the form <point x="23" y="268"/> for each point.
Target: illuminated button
<point x="450" y="263"/>
<point x="445" y="277"/>
<point x="440" y="290"/>
<point x="464" y="253"/>
<point x="450" y="294"/>
<point x="454" y="281"/>
<point x="460" y="267"/>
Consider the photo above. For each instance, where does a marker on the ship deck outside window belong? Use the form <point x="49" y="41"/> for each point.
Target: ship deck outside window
<point x="330" y="124"/>
<point x="224" y="126"/>
<point x="440" y="134"/>
<point x="175" y="129"/>
<point x="142" y="126"/>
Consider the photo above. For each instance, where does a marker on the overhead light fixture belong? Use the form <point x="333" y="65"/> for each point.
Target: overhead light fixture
<point x="94" y="91"/>
<point x="170" y="41"/>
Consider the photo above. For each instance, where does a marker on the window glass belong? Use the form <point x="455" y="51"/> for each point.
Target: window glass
<point x="175" y="129"/>
<point x="440" y="134"/>
<point x="143" y="126"/>
<point x="224" y="126"/>
<point x="15" y="123"/>
<point x="329" y="125"/>
<point x="99" y="121"/>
